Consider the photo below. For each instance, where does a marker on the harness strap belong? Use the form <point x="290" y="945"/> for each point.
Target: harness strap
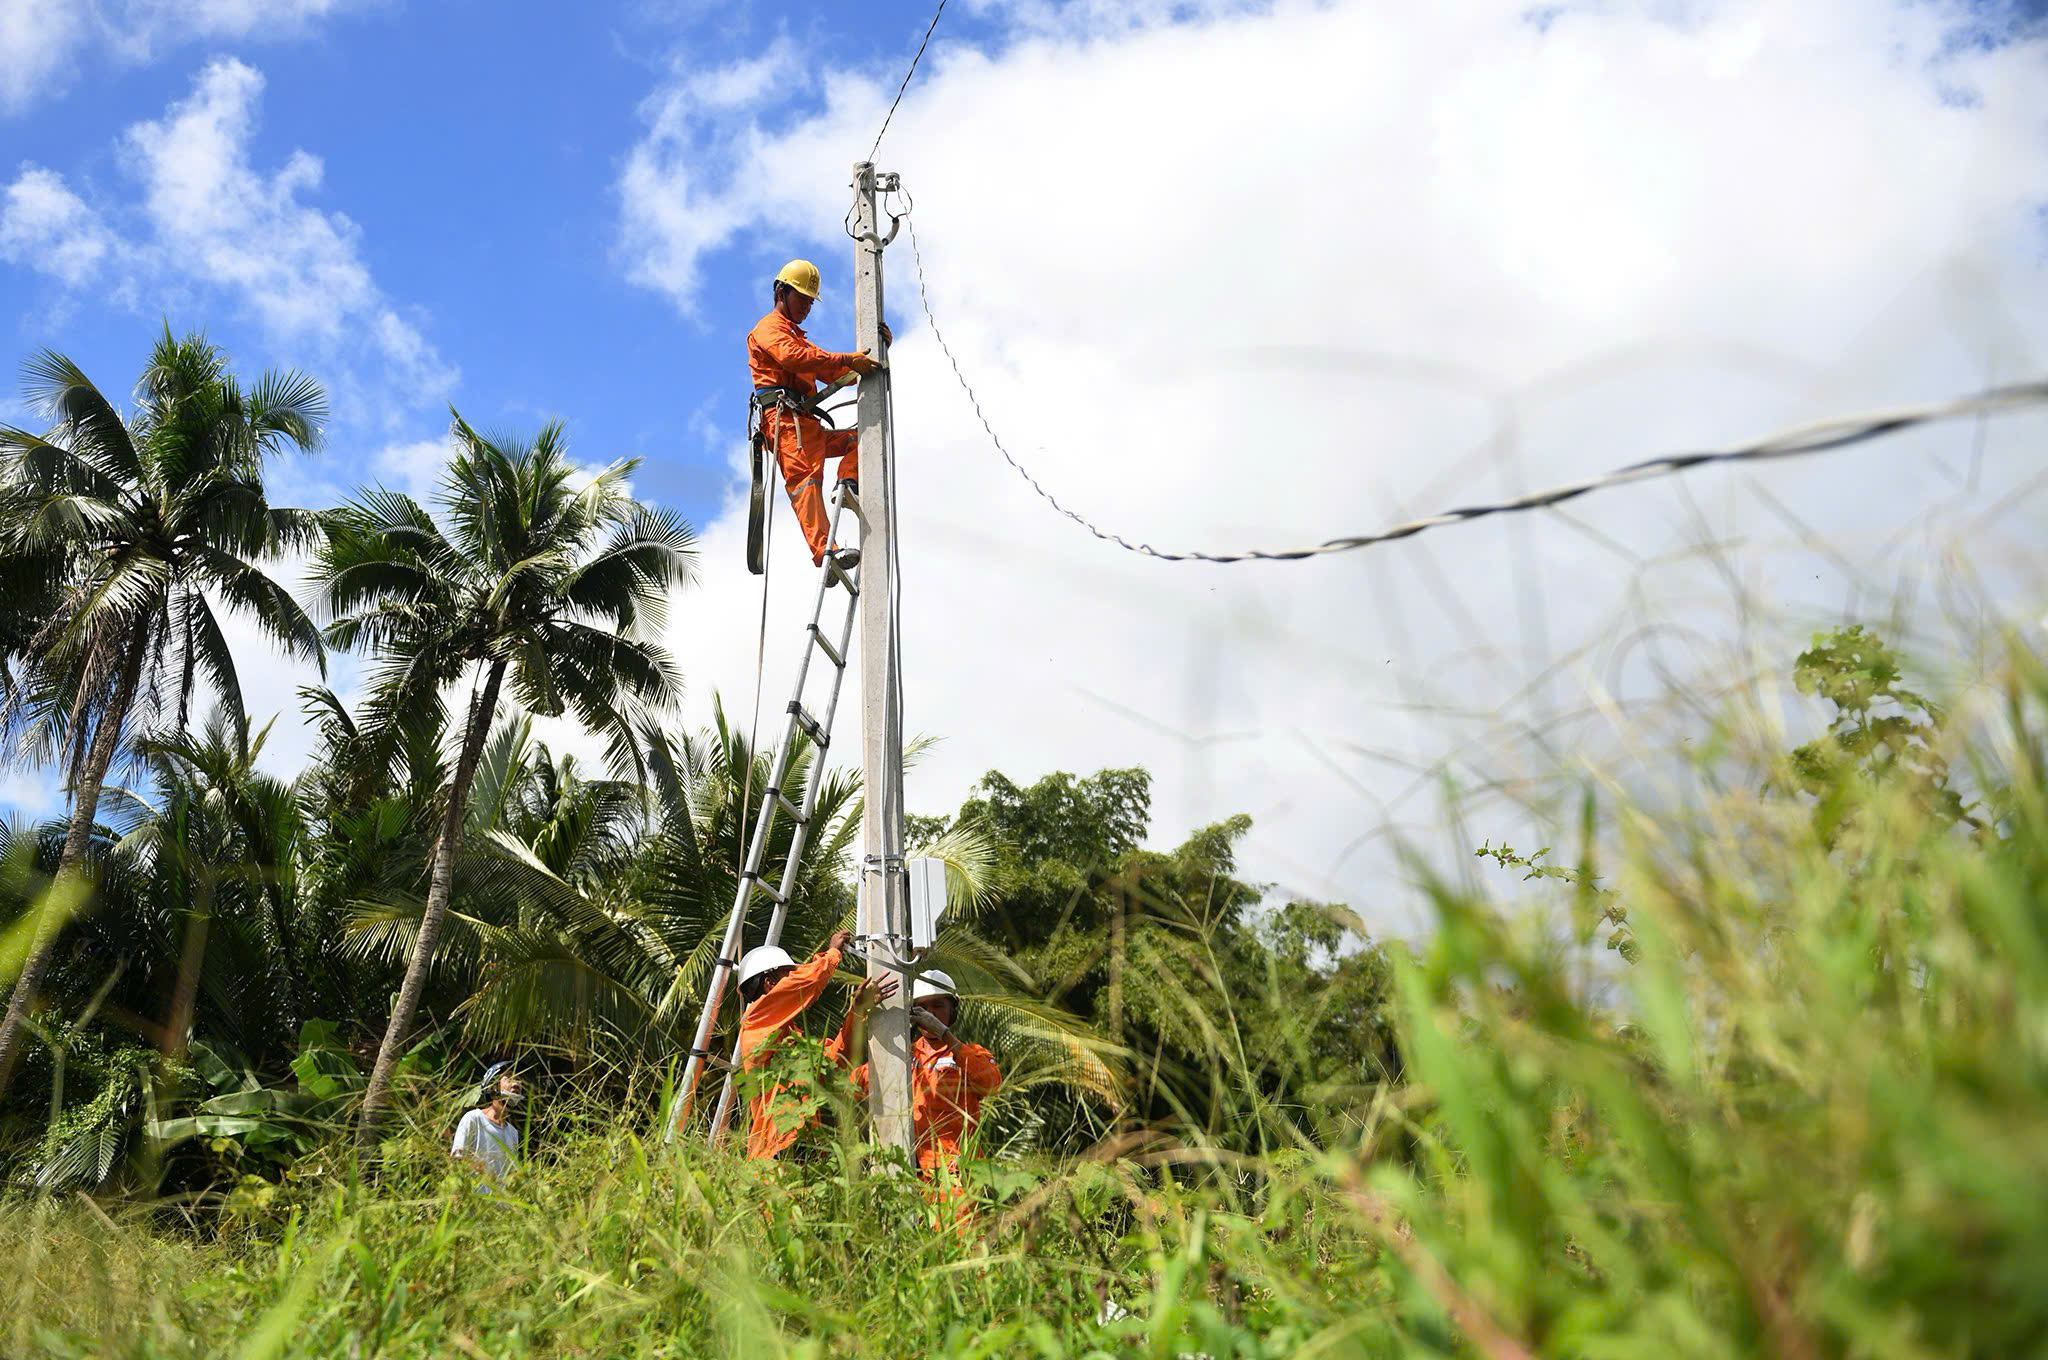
<point x="786" y="399"/>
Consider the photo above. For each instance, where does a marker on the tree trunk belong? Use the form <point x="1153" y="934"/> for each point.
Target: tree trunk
<point x="440" y="887"/>
<point x="191" y="963"/>
<point x="85" y="801"/>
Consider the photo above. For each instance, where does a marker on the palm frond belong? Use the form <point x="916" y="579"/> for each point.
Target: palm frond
<point x="48" y="468"/>
<point x="206" y="649"/>
<point x="247" y="589"/>
<point x="60" y="391"/>
<point x="500" y="769"/>
<point x="627" y="583"/>
<point x="68" y="519"/>
<point x="287" y="407"/>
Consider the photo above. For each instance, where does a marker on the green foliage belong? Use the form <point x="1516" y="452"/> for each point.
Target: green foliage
<point x="1806" y="1122"/>
<point x="556" y="585"/>
<point x="1243" y="1026"/>
<point x="1084" y="822"/>
<point x="253" y="1130"/>
<point x="1594" y="906"/>
<point x="142" y="525"/>
<point x="811" y="1089"/>
<point x="602" y="1244"/>
<point x="124" y="536"/>
<point x="84" y="1143"/>
<point x="1884" y="739"/>
<point x="531" y="585"/>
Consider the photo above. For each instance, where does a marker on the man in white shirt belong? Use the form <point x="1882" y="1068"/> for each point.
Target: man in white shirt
<point x="487" y="1135"/>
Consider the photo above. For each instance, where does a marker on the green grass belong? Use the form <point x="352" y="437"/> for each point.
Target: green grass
<point x="607" y="1246"/>
<point x="1808" y="1118"/>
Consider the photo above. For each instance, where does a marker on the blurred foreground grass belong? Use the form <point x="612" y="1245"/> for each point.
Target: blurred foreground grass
<point x="1807" y="1116"/>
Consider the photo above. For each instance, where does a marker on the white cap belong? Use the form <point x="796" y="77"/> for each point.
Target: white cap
<point x="761" y="958"/>
<point x="932" y="982"/>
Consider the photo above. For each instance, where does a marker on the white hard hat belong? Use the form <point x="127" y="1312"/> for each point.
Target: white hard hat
<point x="932" y="982"/>
<point x="763" y="957"/>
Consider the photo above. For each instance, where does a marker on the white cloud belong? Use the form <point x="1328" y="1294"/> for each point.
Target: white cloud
<point x="43" y="225"/>
<point x="43" y="43"/>
<point x="742" y="84"/>
<point x="414" y="468"/>
<point x="36" y="40"/>
<point x="30" y="797"/>
<point x="207" y="220"/>
<point x="673" y="208"/>
<point x="1270" y="277"/>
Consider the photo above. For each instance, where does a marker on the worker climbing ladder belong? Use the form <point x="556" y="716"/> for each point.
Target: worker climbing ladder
<point x="883" y="898"/>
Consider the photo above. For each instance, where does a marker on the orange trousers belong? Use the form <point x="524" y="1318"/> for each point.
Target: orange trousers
<point x="802" y="444"/>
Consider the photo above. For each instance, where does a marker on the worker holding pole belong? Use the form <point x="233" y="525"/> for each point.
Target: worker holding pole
<point x="786" y="369"/>
<point x="949" y="1080"/>
<point x="776" y="992"/>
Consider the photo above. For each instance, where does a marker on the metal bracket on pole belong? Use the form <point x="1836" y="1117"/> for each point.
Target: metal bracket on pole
<point x="884" y="182"/>
<point x="881" y="241"/>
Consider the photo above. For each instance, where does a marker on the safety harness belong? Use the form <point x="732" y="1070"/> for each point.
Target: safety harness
<point x="761" y="458"/>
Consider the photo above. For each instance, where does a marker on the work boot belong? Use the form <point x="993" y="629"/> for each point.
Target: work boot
<point x="848" y="486"/>
<point x="846" y="559"/>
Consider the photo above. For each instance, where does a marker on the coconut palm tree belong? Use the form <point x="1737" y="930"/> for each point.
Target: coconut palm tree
<point x="541" y="579"/>
<point x="137" y="527"/>
<point x="219" y="844"/>
<point x="596" y="915"/>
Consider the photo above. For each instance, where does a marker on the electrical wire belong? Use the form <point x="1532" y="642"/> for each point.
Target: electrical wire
<point x="894" y="811"/>
<point x="761" y="635"/>
<point x="1822" y="437"/>
<point x="906" y="79"/>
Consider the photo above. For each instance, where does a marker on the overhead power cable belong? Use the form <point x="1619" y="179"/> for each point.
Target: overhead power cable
<point x="906" y="79"/>
<point x="1817" y="438"/>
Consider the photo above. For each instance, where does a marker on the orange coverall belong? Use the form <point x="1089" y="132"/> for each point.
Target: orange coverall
<point x="947" y="1086"/>
<point x="762" y="1026"/>
<point x="778" y="355"/>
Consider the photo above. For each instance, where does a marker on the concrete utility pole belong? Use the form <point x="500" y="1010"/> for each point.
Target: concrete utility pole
<point x="884" y="901"/>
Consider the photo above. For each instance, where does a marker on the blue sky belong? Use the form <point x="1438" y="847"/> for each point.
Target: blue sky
<point x="1223" y="273"/>
<point x="476" y="147"/>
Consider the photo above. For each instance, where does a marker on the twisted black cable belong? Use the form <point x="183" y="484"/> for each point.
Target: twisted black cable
<point x="1817" y="438"/>
<point x="906" y="79"/>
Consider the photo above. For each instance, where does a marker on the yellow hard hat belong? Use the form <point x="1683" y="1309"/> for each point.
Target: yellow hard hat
<point x="801" y="275"/>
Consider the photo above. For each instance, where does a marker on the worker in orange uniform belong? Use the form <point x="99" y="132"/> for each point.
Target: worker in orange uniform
<point x="948" y="1081"/>
<point x="776" y="992"/>
<point x="787" y="369"/>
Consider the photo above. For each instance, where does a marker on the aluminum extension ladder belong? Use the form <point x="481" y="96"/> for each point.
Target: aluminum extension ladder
<point x="775" y="799"/>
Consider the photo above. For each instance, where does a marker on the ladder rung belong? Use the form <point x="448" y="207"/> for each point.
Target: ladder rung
<point x="791" y="808"/>
<point x="812" y="728"/>
<point x="713" y="1059"/>
<point x="838" y="573"/>
<point x="761" y="886"/>
<point x="818" y="636"/>
<point x="847" y="500"/>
